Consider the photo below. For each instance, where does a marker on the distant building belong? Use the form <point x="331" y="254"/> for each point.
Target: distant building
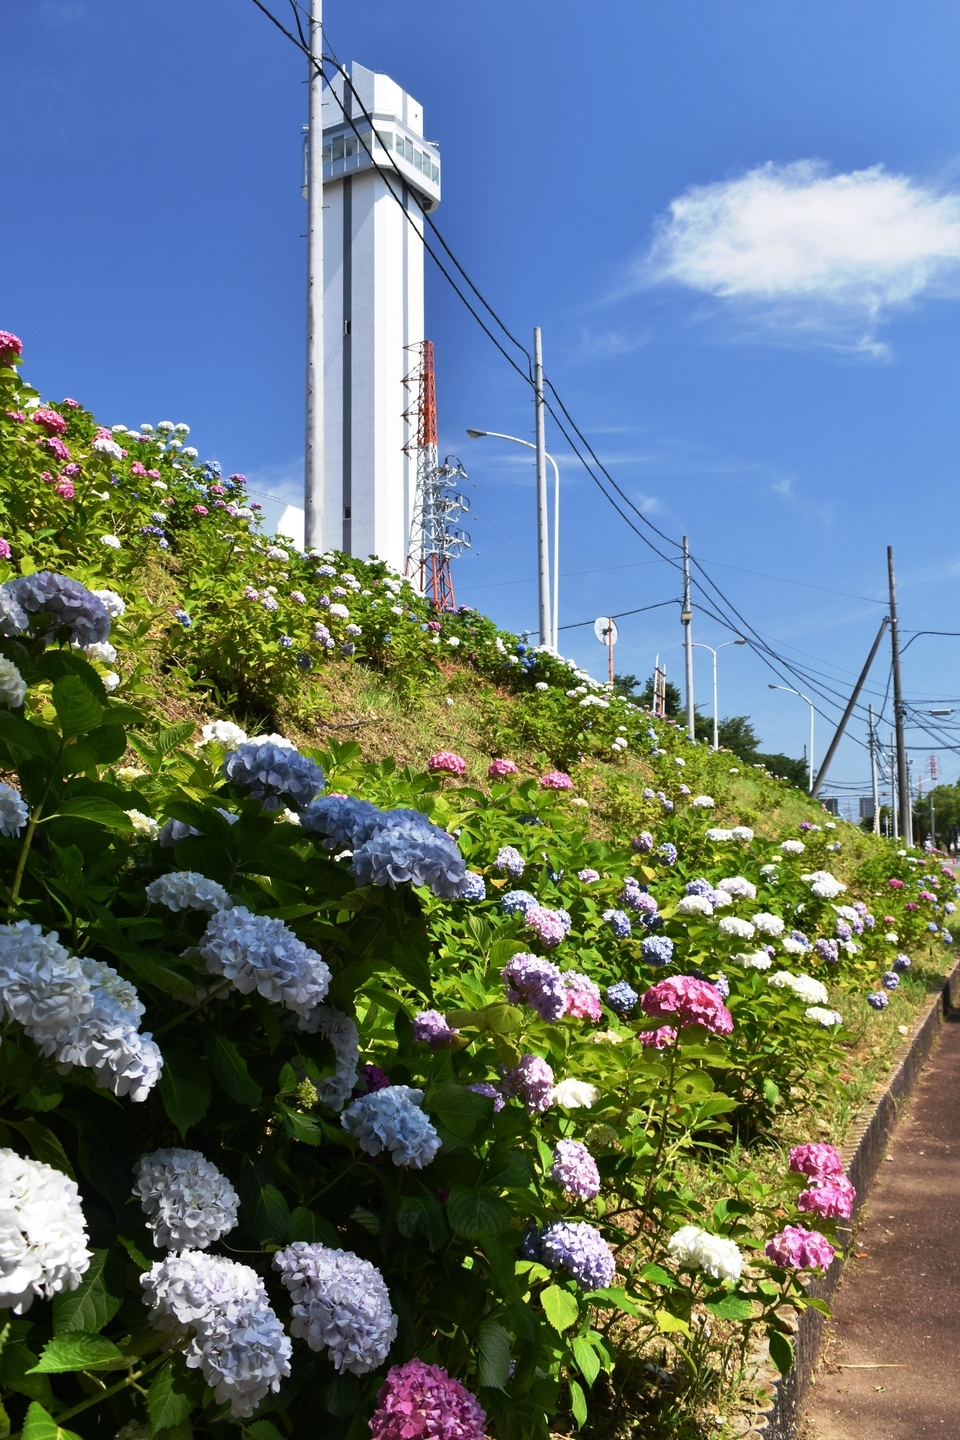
<point x="866" y="807"/>
<point x="831" y="804"/>
<point x="373" y="309"/>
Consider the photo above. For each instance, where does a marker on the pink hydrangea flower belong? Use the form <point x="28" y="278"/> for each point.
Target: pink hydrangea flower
<point x="545" y="924"/>
<point x="796" y="1248"/>
<point x="298" y="597"/>
<point x="137" y="469"/>
<point x="217" y="490"/>
<point x="659" y="1039"/>
<point x="582" y="996"/>
<point x="556" y="780"/>
<point x="499" y="768"/>
<point x="689" y="1001"/>
<point x="74" y="404"/>
<point x="895" y="884"/>
<point x="816" y="1161"/>
<point x="16" y="415"/>
<point x="154" y="474"/>
<point x="65" y="490"/>
<point x="4" y="549"/>
<point x="200" y="510"/>
<point x="532" y="1080"/>
<point x="434" y="625"/>
<point x="53" y="423"/>
<point x="46" y="477"/>
<point x="448" y="762"/>
<point x="831" y="1198"/>
<point x="421" y="1402"/>
<point x="251" y="594"/>
<point x="55" y="446"/>
<point x="11" y="347"/>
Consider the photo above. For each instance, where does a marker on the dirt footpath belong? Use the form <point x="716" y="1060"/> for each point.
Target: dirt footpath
<point x="890" y="1368"/>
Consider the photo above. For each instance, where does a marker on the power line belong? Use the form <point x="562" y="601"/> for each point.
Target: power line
<point x="622" y="615"/>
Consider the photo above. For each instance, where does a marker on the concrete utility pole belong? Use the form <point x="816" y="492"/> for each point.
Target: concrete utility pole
<point x="313" y="444"/>
<point x="903" y="779"/>
<point x="874" y="788"/>
<point x="821" y="773"/>
<point x="687" y="617"/>
<point x="543" y="534"/>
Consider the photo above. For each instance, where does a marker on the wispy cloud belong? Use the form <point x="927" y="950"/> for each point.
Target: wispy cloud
<point x="799" y="253"/>
<point x="608" y="344"/>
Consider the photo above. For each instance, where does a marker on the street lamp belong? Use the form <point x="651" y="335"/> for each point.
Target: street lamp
<point x="713" y="652"/>
<point x="810" y="703"/>
<point x="553" y="639"/>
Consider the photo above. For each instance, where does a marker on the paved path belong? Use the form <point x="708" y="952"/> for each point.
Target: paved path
<point x="899" y="1302"/>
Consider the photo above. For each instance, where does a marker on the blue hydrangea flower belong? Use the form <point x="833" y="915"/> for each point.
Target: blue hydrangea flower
<point x="799" y="936"/>
<point x="510" y="862"/>
<point x="391" y="1119"/>
<point x="305" y="662"/>
<point x="619" y="922"/>
<point x="622" y="997"/>
<point x="878" y="999"/>
<point x="408" y="849"/>
<point x="63" y="602"/>
<point x="701" y="887"/>
<point x="276" y="776"/>
<point x="346" y="821"/>
<point x="667" y="853"/>
<point x="657" y="949"/>
<point x="348" y="649"/>
<point x="474" y="887"/>
<point x="722" y="985"/>
<point x="890" y="980"/>
<point x="517" y="901"/>
<point x="933" y="927"/>
<point x="286" y="641"/>
<point x="902" y="962"/>
<point x="581" y="1250"/>
<point x="184" y="619"/>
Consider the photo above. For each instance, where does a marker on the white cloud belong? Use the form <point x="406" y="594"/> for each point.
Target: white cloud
<point x="816" y="254"/>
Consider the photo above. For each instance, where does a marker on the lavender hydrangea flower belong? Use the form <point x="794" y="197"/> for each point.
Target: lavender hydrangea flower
<point x="67" y="603"/>
<point x="408" y="850"/>
<point x="878" y="999"/>
<point x="622" y="997"/>
<point x="575" y="1170"/>
<point x="547" y="925"/>
<point x="517" y="901"/>
<point x="827" y="950"/>
<point x="474" y="887"/>
<point x="275" y="776"/>
<point x="701" y="887"/>
<point x="391" y="1119"/>
<point x="657" y="950"/>
<point x="491" y="1092"/>
<point x="341" y="1305"/>
<point x="890" y="980"/>
<point x="588" y="876"/>
<point x="532" y="1080"/>
<point x="430" y="1028"/>
<point x="667" y="853"/>
<point x="581" y="1250"/>
<point x="902" y="962"/>
<point x="188" y="1203"/>
<point x="346" y="821"/>
<point x="510" y="862"/>
<point x="721" y="985"/>
<point x="643" y="843"/>
<point x="537" y="983"/>
<point x="619" y="922"/>
<point x="635" y="897"/>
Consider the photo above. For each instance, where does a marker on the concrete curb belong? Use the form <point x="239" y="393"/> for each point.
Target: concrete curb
<point x="863" y="1155"/>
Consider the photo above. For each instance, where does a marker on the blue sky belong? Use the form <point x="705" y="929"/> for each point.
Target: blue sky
<point x="738" y="226"/>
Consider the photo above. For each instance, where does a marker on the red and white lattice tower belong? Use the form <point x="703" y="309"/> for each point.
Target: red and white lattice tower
<point x="434" y="538"/>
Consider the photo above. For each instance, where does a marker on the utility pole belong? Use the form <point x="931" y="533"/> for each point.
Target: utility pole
<point x="874" y="788"/>
<point x="543" y="536"/>
<point x="894" y="808"/>
<point x="313" y="443"/>
<point x="687" y="617"/>
<point x="814" y="789"/>
<point x="903" y="779"/>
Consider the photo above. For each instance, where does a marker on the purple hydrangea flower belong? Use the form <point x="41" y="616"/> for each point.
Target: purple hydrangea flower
<point x="619" y="922"/>
<point x="588" y="876"/>
<point x="407" y="849"/>
<point x="667" y="853"/>
<point x="532" y="1080"/>
<point x="510" y="862"/>
<point x="515" y="901"/>
<point x="657" y="950"/>
<point x="374" y="1079"/>
<point x="701" y="887"/>
<point x="890" y="980"/>
<point x="273" y="775"/>
<point x="622" y="997"/>
<point x="878" y="999"/>
<point x="634" y="897"/>
<point x="546" y="925"/>
<point x="65" y="603"/>
<point x="346" y="821"/>
<point x="844" y="931"/>
<point x="581" y="1250"/>
<point x="828" y="950"/>
<point x="575" y="1170"/>
<point x="537" y="983"/>
<point x="643" y="843"/>
<point x="431" y="1028"/>
<point x="902" y="962"/>
<point x="722" y="985"/>
<point x="491" y="1092"/>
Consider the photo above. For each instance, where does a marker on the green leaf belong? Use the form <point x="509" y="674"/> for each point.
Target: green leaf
<point x="460" y="1110"/>
<point x="560" y="1307"/>
<point x="172" y="738"/>
<point x="588" y="1361"/>
<point x="770" y="1092"/>
<point x="76" y="1350"/>
<point x="168" y="1401"/>
<point x="108" y="743"/>
<point x="305" y="1225"/>
<point x="477" y="1214"/>
<point x="781" y="1351"/>
<point x="420" y="1217"/>
<point x="669" y="1324"/>
<point x="20" y="735"/>
<point x="731" y="1307"/>
<point x="54" y="664"/>
<point x="301" y="1127"/>
<point x="4" y="1423"/>
<point x="262" y="1430"/>
<point x="656" y="1275"/>
<point x="184" y="1088"/>
<point x="619" y="1299"/>
<point x="89" y="1307"/>
<point x="494" y="1355"/>
<point x="45" y="1145"/>
<point x="39" y="1425"/>
<point x="230" y="1071"/>
<point x="95" y="808"/>
<point x="77" y="710"/>
<point x="264" y="1211"/>
<point x="578" y="1403"/>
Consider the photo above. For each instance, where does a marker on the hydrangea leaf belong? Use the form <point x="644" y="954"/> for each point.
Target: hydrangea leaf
<point x="168" y="1399"/>
<point x="588" y="1361"/>
<point x="477" y="1214"/>
<point x="231" y="1072"/>
<point x="494" y="1355"/>
<point x="39" y="1425"/>
<point x="184" y="1088"/>
<point x="731" y="1307"/>
<point x="77" y="1350"/>
<point x="45" y="1146"/>
<point x="560" y="1307"/>
<point x="90" y="1306"/>
<point x="781" y="1351"/>
<point x="578" y="1403"/>
<point x="77" y="710"/>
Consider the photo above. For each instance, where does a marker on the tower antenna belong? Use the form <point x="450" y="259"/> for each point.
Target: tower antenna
<point x="435" y="540"/>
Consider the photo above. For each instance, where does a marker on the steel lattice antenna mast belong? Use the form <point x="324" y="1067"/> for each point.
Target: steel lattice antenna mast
<point x="434" y="539"/>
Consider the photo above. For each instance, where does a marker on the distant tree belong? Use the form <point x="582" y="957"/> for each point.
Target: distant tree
<point x="946" y="814"/>
<point x="795" y="771"/>
<point x="627" y="685"/>
<point x="672" y="700"/>
<point x="733" y="733"/>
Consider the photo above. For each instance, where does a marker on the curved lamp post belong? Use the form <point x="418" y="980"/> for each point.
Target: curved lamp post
<point x="810" y="703"/>
<point x="713" y="652"/>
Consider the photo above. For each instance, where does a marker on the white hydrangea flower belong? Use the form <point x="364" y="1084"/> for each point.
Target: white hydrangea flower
<point x="111" y="602"/>
<point x="188" y="1203"/>
<point x="111" y="542"/>
<point x="110" y="681"/>
<point x="575" y="1095"/>
<point x="335" y="1090"/>
<point x="824" y="1017"/>
<point x="699" y="1250"/>
<point x="718" y="835"/>
<point x="694" y="905"/>
<point x="281" y="741"/>
<point x="142" y="824"/>
<point x="803" y="986"/>
<point x="188" y="890"/>
<point x="341" y="1305"/>
<point x="43" y="1235"/>
<point x="891" y="937"/>
<point x="791" y="946"/>
<point x="742" y="833"/>
<point x="738" y="887"/>
<point x="133" y="1431"/>
<point x="733" y="925"/>
<point x="100" y="650"/>
<point x="42" y="986"/>
<point x="13" y="812"/>
<point x="769" y="872"/>
<point x="754" y="960"/>
<point x="703" y="802"/>
<point x="258" y="953"/>
<point x="792" y="847"/>
<point x="721" y="899"/>
<point x="13" y="687"/>
<point x="823" y="885"/>
<point x="767" y="924"/>
<point x="340" y="612"/>
<point x="238" y="1343"/>
<point x="391" y="1119"/>
<point x="225" y="733"/>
